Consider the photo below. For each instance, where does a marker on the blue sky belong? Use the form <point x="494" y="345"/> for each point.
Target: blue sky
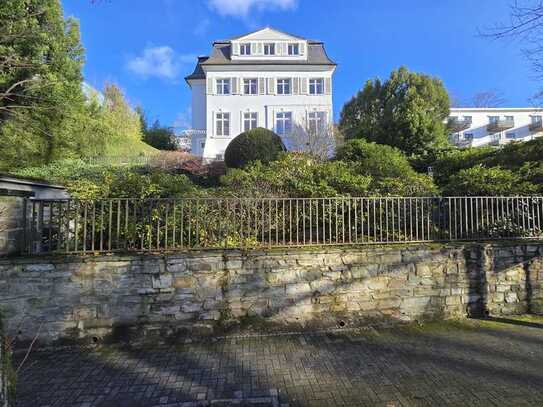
<point x="148" y="46"/>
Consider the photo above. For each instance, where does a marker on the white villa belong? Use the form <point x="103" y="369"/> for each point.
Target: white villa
<point x="266" y="78"/>
<point x="474" y="127"/>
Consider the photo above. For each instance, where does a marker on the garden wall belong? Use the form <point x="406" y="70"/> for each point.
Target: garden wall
<point x="77" y="297"/>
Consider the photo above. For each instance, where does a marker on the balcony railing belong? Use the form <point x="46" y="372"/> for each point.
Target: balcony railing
<point x="500" y="125"/>
<point x="455" y="125"/>
<point x="536" y="126"/>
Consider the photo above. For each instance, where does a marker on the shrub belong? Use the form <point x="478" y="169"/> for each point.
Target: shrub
<point x="482" y="181"/>
<point x="253" y="145"/>
<point x="296" y="175"/>
<point x="390" y="169"/>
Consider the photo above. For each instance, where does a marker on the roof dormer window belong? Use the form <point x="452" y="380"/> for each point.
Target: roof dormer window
<point x="245" y="49"/>
<point x="269" y="48"/>
<point x="294" y="49"/>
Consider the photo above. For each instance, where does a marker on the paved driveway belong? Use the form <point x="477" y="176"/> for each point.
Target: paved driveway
<point x="464" y="364"/>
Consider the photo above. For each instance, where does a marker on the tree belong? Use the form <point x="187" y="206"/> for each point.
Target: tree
<point x="40" y="80"/>
<point x="160" y="137"/>
<point x="316" y="139"/>
<point x="525" y="25"/>
<point x="254" y="145"/>
<point x="489" y="98"/>
<point x="406" y="111"/>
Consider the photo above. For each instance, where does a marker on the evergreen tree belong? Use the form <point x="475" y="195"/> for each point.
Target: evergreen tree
<point x="406" y="111"/>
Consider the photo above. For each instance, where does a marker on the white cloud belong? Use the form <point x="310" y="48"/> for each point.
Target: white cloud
<point x="242" y="8"/>
<point x="161" y="62"/>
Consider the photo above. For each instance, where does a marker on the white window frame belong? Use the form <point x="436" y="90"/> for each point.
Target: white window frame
<point x="283" y="123"/>
<point x="222" y="122"/>
<point x="468" y="136"/>
<point x="224" y="86"/>
<point x="248" y="85"/>
<point x="269" y="48"/>
<point x="245" y="48"/>
<point x="250" y="121"/>
<point x="493" y="119"/>
<point x="316" y="86"/>
<point x="294" y="49"/>
<point x="316" y="121"/>
<point x="537" y="118"/>
<point x="284" y="85"/>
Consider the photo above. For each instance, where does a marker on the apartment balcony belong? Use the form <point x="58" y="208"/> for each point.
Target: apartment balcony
<point x="455" y="125"/>
<point x="536" y="126"/>
<point x="500" y="125"/>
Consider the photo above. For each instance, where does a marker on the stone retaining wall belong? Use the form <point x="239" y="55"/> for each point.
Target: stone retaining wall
<point x="76" y="297"/>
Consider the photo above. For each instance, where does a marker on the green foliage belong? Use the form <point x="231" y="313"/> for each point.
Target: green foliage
<point x="88" y="181"/>
<point x="448" y="163"/>
<point x="406" y="111"/>
<point x="46" y="116"/>
<point x="42" y="56"/>
<point x="296" y="175"/>
<point x="160" y="137"/>
<point x="493" y="181"/>
<point x="389" y="168"/>
<point x="254" y="145"/>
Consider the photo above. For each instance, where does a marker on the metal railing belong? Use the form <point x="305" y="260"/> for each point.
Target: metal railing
<point x="72" y="226"/>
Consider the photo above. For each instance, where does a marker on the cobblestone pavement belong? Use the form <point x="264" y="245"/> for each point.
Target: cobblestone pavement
<point x="468" y="363"/>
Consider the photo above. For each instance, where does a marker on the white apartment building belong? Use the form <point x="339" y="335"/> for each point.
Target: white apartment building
<point x="475" y="127"/>
<point x="266" y="78"/>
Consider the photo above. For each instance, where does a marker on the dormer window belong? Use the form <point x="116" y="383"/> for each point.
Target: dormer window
<point x="269" y="49"/>
<point x="245" y="49"/>
<point x="294" y="49"/>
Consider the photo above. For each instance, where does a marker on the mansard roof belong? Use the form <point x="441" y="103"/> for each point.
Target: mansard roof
<point x="221" y="54"/>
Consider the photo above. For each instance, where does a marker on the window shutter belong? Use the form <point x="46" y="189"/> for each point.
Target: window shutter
<point x="253" y="48"/>
<point x="210" y="86"/>
<point x="302" y="48"/>
<point x="304" y="86"/>
<point x="262" y="86"/>
<point x="259" y="48"/>
<point x="213" y="123"/>
<point x="296" y="86"/>
<point x="271" y="86"/>
<point x="235" y="87"/>
<point x="327" y="86"/>
<point x="241" y="128"/>
<point x="235" y="48"/>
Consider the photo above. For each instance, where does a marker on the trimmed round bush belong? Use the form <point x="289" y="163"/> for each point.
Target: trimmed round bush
<point x="254" y="145"/>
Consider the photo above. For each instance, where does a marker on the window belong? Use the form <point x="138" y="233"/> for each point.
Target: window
<point x="283" y="86"/>
<point x="250" y="121"/>
<point x="269" y="49"/>
<point x="468" y="136"/>
<point x="283" y="123"/>
<point x="203" y="144"/>
<point x="316" y="86"/>
<point x="493" y="119"/>
<point x="510" y="135"/>
<point x="245" y="49"/>
<point x="468" y="119"/>
<point x="509" y="118"/>
<point x="219" y="157"/>
<point x="223" y="86"/>
<point x="294" y="49"/>
<point x="223" y="124"/>
<point x="537" y="119"/>
<point x="250" y="86"/>
<point x="316" y="122"/>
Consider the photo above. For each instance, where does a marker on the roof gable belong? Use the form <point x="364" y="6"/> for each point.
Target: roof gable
<point x="268" y="34"/>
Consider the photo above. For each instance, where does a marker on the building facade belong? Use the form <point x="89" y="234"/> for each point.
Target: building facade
<point x="268" y="79"/>
<point x="475" y="127"/>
